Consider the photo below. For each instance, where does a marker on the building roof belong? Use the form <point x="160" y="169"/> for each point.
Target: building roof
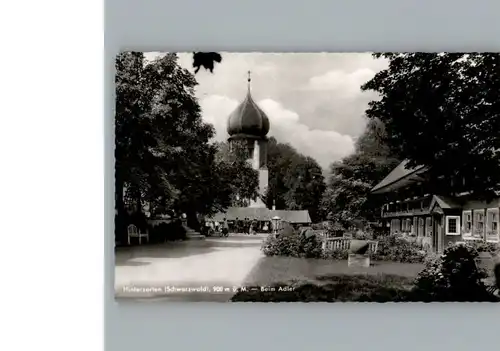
<point x="262" y="214"/>
<point x="301" y="216"/>
<point x="445" y="202"/>
<point x="248" y="119"/>
<point x="401" y="172"/>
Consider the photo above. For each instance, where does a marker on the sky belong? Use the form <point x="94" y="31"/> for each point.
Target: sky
<point x="313" y="101"/>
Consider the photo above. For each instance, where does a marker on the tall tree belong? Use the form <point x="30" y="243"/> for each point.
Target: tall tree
<point x="306" y="186"/>
<point x="443" y="111"/>
<point x="162" y="149"/>
<point x="237" y="173"/>
<point x="279" y="163"/>
<point x="295" y="180"/>
<point x="351" y="179"/>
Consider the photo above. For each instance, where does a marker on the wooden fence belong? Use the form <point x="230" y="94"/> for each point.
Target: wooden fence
<point x="341" y="244"/>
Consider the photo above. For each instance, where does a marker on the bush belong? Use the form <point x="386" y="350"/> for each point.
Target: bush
<point x="496" y="271"/>
<point x="123" y="219"/>
<point x="482" y="246"/>
<point x="363" y="235"/>
<point x="281" y="245"/>
<point x="334" y="230"/>
<point x="453" y="276"/>
<point x="293" y="245"/>
<point x="167" y="232"/>
<point x="336" y="254"/>
<point x="396" y="249"/>
<point x="310" y="246"/>
<point x="319" y="226"/>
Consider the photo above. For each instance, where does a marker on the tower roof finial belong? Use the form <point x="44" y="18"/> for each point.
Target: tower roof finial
<point x="249" y="79"/>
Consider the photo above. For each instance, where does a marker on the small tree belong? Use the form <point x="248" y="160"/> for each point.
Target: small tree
<point x="347" y="197"/>
<point x="453" y="276"/>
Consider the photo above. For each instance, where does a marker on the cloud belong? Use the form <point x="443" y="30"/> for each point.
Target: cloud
<point x="346" y="84"/>
<point x="325" y="146"/>
<point x="215" y="110"/>
<point x="314" y="100"/>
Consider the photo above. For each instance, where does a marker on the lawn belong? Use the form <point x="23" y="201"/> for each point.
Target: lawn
<point x="335" y="288"/>
<point x="311" y="280"/>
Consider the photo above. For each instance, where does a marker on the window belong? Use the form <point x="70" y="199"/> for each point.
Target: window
<point x="394" y="226"/>
<point x="478" y="223"/>
<point x="494" y="222"/>
<point x="492" y="219"/>
<point x="421" y="224"/>
<point x="414" y="227"/>
<point x="452" y="225"/>
<point x="467" y="222"/>
<point x="408" y="225"/>
<point x="428" y="226"/>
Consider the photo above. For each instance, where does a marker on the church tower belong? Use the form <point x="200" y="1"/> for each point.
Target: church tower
<point x="249" y="125"/>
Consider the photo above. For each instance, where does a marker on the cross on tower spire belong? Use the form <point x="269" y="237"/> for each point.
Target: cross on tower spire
<point x="249" y="79"/>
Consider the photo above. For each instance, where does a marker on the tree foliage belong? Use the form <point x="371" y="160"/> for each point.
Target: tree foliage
<point x="237" y="172"/>
<point x="351" y="179"/>
<point x="206" y="60"/>
<point x="163" y="154"/>
<point x="296" y="181"/>
<point x="443" y="111"/>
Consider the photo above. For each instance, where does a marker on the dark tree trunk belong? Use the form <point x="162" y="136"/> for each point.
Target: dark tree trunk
<point x="120" y="213"/>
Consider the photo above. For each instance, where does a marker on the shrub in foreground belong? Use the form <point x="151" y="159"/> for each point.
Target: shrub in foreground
<point x="310" y="246"/>
<point x="391" y="248"/>
<point x="304" y="245"/>
<point x="482" y="246"/>
<point x="167" y="232"/>
<point x="363" y="235"/>
<point x="395" y="249"/>
<point x="453" y="276"/>
<point x="336" y="254"/>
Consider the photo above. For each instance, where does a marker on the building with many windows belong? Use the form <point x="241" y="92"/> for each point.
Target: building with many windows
<point x="413" y="207"/>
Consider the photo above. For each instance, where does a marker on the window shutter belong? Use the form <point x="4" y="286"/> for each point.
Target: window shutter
<point x="471" y="218"/>
<point x="492" y="225"/>
<point x="489" y="221"/>
<point x="474" y="222"/>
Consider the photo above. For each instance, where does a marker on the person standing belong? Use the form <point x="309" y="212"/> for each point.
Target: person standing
<point x="265" y="228"/>
<point x="246" y="225"/>
<point x="253" y="226"/>
<point x="225" y="227"/>
<point x="237" y="225"/>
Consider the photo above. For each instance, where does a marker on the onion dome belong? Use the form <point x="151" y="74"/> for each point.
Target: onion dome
<point x="248" y="120"/>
